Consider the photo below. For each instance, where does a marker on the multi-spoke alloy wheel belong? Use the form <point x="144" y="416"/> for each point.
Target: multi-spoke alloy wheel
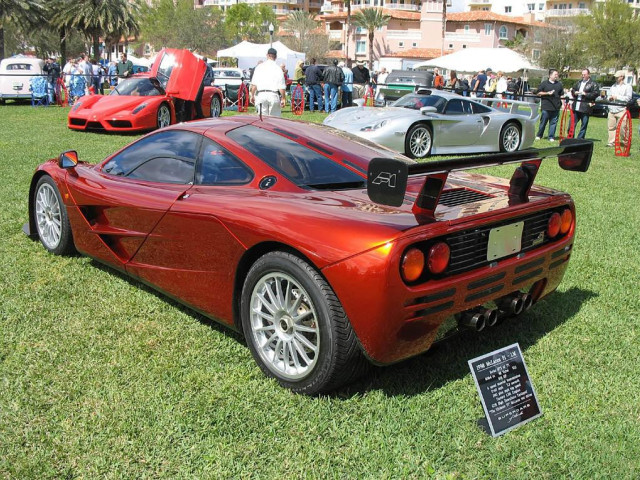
<point x="51" y="219"/>
<point x="510" y="138"/>
<point x="418" y="141"/>
<point x="284" y="326"/>
<point x="295" y="326"/>
<point x="164" y="116"/>
<point x="216" y="108"/>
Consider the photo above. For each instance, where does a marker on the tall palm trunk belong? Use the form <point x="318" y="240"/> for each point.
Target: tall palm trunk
<point x="1" y="42"/>
<point x="348" y="3"/>
<point x="63" y="46"/>
<point x="444" y="25"/>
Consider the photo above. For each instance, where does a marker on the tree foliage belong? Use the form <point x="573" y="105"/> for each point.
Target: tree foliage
<point x="176" y="24"/>
<point x="249" y="22"/>
<point x="302" y="25"/>
<point x="370" y="19"/>
<point x="610" y="34"/>
<point x="20" y="13"/>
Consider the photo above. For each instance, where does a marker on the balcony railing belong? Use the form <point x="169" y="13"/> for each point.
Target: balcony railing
<point x="405" y="34"/>
<point x="566" y="12"/>
<point x="399" y="6"/>
<point x="335" y="34"/>
<point x="462" y="37"/>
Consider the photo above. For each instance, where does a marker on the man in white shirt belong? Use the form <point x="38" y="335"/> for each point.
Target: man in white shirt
<point x="621" y="92"/>
<point x="268" y="86"/>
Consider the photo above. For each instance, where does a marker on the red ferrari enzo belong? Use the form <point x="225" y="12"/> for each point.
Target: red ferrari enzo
<point x="150" y="100"/>
<point x="324" y="250"/>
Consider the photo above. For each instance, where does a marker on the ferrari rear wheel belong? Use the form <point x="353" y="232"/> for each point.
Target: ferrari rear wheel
<point x="510" y="137"/>
<point x="295" y="326"/>
<point x="216" y="107"/>
<point x="417" y="143"/>
<point x="52" y="222"/>
<point x="164" y="116"/>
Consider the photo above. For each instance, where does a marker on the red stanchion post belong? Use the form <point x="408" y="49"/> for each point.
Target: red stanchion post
<point x="297" y="100"/>
<point x="567" y="121"/>
<point x="624" y="132"/>
<point x="368" y="96"/>
<point x="243" y="98"/>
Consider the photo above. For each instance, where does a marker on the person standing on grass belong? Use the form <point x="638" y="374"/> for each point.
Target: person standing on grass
<point x="584" y="93"/>
<point x="268" y="86"/>
<point x="550" y="93"/>
<point x="347" y="86"/>
<point x="313" y="78"/>
<point x="621" y="93"/>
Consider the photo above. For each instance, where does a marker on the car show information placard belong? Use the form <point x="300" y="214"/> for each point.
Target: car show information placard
<point x="505" y="389"/>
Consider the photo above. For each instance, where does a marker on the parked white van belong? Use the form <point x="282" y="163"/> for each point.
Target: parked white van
<point x="15" y="75"/>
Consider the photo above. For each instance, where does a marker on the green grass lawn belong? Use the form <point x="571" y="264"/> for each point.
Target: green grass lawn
<point x="101" y="377"/>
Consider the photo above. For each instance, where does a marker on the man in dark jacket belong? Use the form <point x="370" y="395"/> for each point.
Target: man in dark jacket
<point x="550" y="93"/>
<point x="333" y="77"/>
<point x="361" y="77"/>
<point x="313" y="78"/>
<point x="52" y="69"/>
<point x="584" y="93"/>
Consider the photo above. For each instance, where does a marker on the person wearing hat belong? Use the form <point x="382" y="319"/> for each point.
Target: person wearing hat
<point x="268" y="86"/>
<point x="347" y="86"/>
<point x="333" y="78"/>
<point x="621" y="93"/>
<point x="361" y="77"/>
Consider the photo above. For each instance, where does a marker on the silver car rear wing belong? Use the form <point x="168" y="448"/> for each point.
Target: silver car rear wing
<point x="515" y="107"/>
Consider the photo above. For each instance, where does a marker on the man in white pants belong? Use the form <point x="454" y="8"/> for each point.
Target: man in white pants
<point x="268" y="86"/>
<point x="621" y="92"/>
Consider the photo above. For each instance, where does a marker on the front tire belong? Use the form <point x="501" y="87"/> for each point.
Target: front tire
<point x="510" y="137"/>
<point x="163" y="116"/>
<point x="216" y="107"/>
<point x="418" y="142"/>
<point x="52" y="221"/>
<point x="295" y="326"/>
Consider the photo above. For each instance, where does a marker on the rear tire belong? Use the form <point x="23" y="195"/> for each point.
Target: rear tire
<point x="51" y="219"/>
<point x="510" y="137"/>
<point x="418" y="142"/>
<point x="296" y="328"/>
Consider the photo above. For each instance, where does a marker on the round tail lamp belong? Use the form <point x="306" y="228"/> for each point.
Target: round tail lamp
<point x="566" y="219"/>
<point x="412" y="265"/>
<point x="438" y="257"/>
<point x="555" y="222"/>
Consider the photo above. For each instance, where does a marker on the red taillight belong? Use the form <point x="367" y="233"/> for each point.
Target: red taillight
<point x="555" y="222"/>
<point x="566" y="218"/>
<point x="438" y="258"/>
<point x="412" y="265"/>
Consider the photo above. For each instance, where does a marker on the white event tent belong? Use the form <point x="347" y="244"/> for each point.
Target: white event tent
<point x="472" y="60"/>
<point x="249" y="54"/>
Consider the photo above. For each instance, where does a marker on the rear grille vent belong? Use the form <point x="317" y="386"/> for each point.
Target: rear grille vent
<point x="469" y="248"/>
<point x="461" y="196"/>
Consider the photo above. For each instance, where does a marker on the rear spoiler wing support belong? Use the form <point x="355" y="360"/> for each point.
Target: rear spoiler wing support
<point x="387" y="177"/>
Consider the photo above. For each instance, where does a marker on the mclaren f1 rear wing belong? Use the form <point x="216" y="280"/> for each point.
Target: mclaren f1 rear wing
<point x="387" y="177"/>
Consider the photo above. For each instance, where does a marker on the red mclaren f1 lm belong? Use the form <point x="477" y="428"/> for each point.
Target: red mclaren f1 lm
<point x="327" y="252"/>
<point x="146" y="101"/>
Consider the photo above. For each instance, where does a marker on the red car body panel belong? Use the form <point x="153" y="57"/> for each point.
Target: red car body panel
<point x="178" y="71"/>
<point x="190" y="241"/>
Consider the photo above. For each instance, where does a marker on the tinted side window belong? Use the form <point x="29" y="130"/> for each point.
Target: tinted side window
<point x="165" y="170"/>
<point x="174" y="143"/>
<point x="454" y="107"/>
<point x="477" y="108"/>
<point x="221" y="167"/>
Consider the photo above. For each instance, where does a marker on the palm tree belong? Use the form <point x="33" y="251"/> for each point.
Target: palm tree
<point x="370" y="19"/>
<point x="20" y="12"/>
<point x="347" y="4"/>
<point x="301" y="24"/>
<point x="98" y="18"/>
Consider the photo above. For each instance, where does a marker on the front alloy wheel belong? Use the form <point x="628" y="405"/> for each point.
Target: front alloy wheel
<point x="52" y="222"/>
<point x="164" y="116"/>
<point x="418" y="141"/>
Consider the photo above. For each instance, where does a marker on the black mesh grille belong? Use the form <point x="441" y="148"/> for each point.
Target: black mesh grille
<point x="94" y="126"/>
<point x="461" y="196"/>
<point x="469" y="248"/>
<point x="77" y="121"/>
<point x="120" y="123"/>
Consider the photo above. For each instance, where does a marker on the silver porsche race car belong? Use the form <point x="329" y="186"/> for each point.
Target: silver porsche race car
<point x="439" y="122"/>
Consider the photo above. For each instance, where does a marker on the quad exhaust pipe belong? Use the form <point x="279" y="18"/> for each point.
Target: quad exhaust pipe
<point x="479" y="318"/>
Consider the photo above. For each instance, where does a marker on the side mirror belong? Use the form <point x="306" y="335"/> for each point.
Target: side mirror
<point x="68" y="159"/>
<point x="424" y="110"/>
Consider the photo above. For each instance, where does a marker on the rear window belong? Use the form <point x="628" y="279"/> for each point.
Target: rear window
<point x="19" y="66"/>
<point x="303" y="166"/>
<point x="414" y="78"/>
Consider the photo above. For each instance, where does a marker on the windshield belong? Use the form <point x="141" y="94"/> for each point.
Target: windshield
<point x="302" y="165"/>
<point x="138" y="87"/>
<point x="416" y="102"/>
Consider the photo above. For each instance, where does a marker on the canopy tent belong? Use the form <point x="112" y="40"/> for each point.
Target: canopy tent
<point x="472" y="60"/>
<point x="249" y="54"/>
<point x="143" y="62"/>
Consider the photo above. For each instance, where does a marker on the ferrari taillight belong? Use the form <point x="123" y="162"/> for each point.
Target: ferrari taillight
<point x="566" y="219"/>
<point x="438" y="257"/>
<point x="412" y="265"/>
<point x="555" y="222"/>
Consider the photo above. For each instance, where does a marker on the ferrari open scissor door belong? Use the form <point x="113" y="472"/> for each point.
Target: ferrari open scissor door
<point x="180" y="72"/>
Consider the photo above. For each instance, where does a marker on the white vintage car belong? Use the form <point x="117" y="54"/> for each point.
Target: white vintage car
<point x="15" y="75"/>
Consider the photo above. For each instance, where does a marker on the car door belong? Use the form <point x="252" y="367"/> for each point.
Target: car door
<point x="459" y="126"/>
<point x="191" y="254"/>
<point x="180" y="72"/>
<point x="120" y="202"/>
